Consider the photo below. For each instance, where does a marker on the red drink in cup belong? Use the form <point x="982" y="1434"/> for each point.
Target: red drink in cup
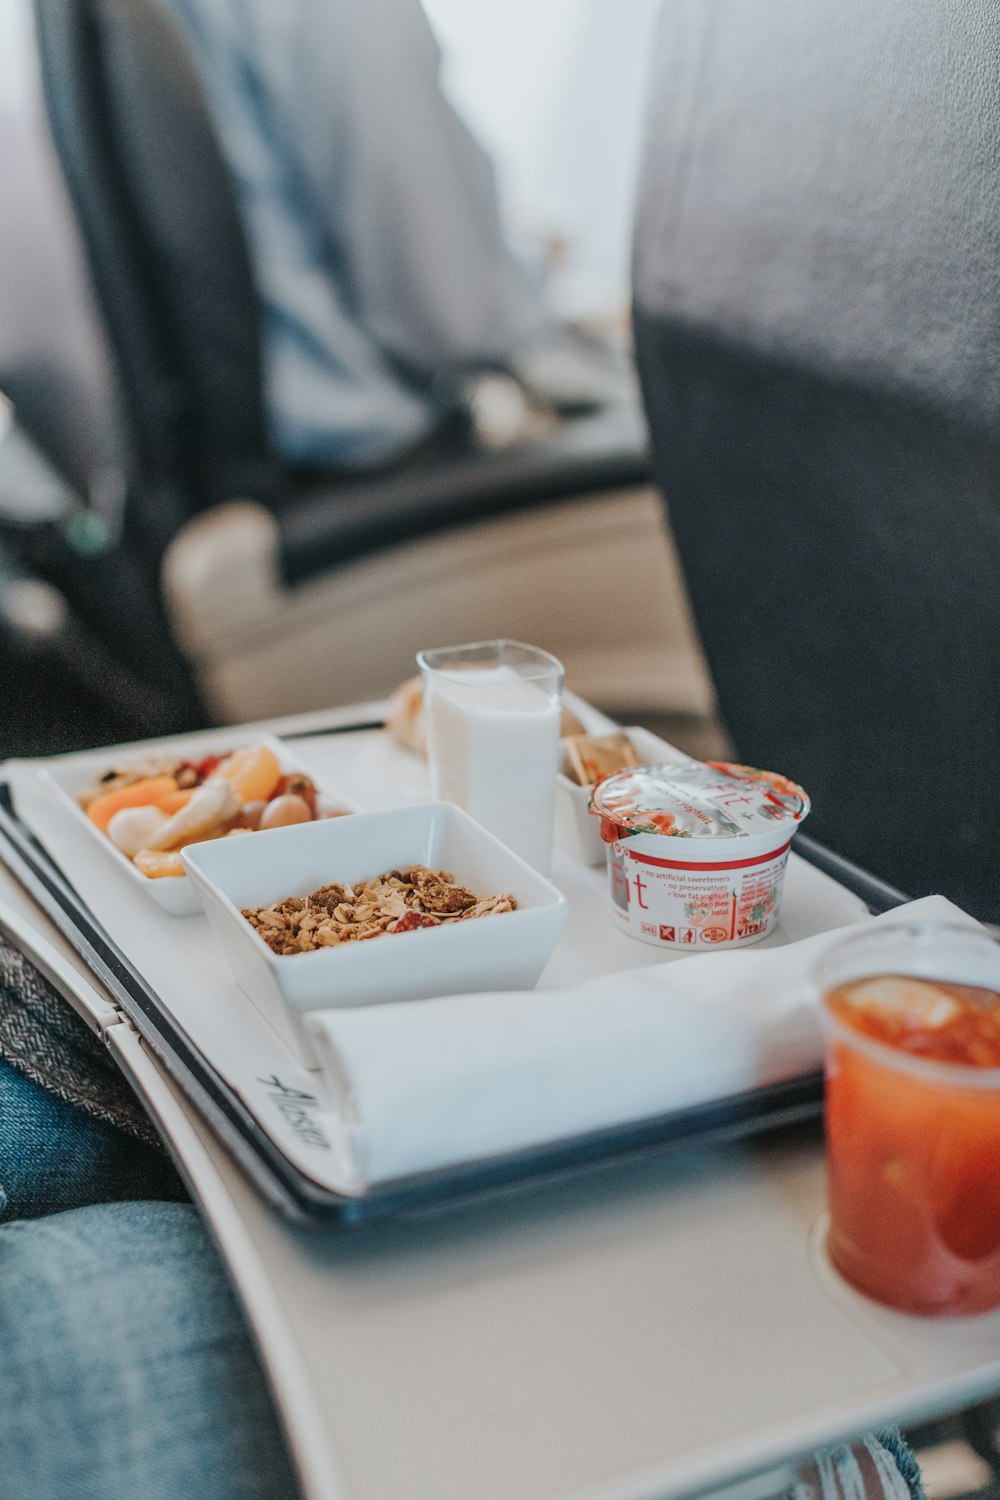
<point x="912" y="1019"/>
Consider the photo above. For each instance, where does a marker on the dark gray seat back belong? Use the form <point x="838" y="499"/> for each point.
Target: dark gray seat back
<point x="817" y="288"/>
<point x="166" y="249"/>
<point x="54" y="361"/>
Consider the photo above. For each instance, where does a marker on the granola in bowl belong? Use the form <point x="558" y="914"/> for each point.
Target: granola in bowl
<point x="399" y="901"/>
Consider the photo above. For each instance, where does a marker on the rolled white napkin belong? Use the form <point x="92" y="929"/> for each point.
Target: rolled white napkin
<point x="432" y="1083"/>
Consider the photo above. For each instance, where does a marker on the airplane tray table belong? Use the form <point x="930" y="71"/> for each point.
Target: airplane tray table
<point x="168" y="976"/>
<point x="640" y="1330"/>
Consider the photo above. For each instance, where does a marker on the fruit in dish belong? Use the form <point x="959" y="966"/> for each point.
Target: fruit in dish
<point x="152" y="808"/>
<point x="400" y="901"/>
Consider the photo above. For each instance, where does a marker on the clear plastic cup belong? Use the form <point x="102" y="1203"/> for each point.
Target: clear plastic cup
<point x="913" y="1133"/>
<point x="493" y="711"/>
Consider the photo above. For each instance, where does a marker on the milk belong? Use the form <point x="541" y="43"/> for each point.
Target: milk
<point x="494" y="746"/>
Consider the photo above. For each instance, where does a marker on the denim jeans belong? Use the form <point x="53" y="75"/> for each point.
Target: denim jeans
<point x="126" y="1371"/>
<point x="54" y="1156"/>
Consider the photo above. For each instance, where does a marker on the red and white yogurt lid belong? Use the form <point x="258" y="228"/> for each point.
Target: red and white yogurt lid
<point x="696" y="800"/>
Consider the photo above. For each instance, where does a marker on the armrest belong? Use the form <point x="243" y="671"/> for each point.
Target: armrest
<point x="325" y="523"/>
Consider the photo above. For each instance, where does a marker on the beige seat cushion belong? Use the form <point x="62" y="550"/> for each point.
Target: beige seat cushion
<point x="595" y="581"/>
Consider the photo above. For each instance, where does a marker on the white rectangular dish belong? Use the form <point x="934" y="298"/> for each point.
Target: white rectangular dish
<point x="70" y="777"/>
<point x="507" y="951"/>
<point x="577" y="831"/>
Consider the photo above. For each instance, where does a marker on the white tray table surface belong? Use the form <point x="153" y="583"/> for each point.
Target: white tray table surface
<point x="636" y="1333"/>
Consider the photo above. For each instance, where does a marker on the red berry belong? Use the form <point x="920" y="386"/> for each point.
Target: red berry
<point x="411" y="919"/>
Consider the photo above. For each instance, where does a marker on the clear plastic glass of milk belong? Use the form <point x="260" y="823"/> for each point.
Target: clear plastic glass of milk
<point x="493" y="712"/>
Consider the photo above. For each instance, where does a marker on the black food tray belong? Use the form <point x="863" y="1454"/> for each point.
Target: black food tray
<point x="296" y="1194"/>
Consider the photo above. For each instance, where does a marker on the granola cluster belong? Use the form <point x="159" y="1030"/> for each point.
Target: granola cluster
<point x="397" y="902"/>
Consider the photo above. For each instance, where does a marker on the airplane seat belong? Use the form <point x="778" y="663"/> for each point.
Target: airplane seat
<point x="287" y="590"/>
<point x="68" y="578"/>
<point x="815" y="283"/>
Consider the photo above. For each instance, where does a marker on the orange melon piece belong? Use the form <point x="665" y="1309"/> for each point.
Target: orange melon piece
<point x="253" y="773"/>
<point x="158" y="866"/>
<point x="174" y="801"/>
<point x="145" y="793"/>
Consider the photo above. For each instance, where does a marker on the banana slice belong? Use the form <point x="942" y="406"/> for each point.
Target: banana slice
<point x="132" y="828"/>
<point x="213" y="804"/>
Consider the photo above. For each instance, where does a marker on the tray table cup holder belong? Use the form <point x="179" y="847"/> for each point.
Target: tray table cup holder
<point x="175" y="894"/>
<point x="577" y="832"/>
<point x="507" y="951"/>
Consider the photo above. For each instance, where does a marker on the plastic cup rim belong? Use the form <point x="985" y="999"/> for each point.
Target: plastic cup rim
<point x="953" y="1076"/>
<point x="547" y="664"/>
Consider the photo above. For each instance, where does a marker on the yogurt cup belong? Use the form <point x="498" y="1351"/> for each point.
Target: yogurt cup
<point x="696" y="851"/>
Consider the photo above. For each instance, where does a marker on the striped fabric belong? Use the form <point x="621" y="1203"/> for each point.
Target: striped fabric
<point x="879" y="1467"/>
<point x="46" y="1041"/>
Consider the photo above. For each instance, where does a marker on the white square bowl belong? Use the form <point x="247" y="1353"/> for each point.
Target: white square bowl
<point x="68" y="778"/>
<point x="577" y="831"/>
<point x="503" y="952"/>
